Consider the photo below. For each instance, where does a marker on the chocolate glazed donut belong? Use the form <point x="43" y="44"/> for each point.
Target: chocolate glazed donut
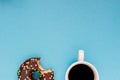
<point x="32" y="65"/>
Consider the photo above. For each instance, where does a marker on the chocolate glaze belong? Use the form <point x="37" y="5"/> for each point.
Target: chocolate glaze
<point x="31" y="65"/>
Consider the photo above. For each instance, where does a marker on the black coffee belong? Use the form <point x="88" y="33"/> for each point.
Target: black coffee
<point x="81" y="72"/>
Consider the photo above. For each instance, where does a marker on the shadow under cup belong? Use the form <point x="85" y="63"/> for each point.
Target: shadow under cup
<point x="81" y="72"/>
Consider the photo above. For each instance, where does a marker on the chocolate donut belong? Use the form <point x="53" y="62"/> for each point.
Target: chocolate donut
<point x="32" y="65"/>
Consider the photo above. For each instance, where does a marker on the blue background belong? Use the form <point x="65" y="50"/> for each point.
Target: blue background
<point x="55" y="30"/>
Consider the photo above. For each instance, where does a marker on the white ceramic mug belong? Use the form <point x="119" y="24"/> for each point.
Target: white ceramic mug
<point x="81" y="61"/>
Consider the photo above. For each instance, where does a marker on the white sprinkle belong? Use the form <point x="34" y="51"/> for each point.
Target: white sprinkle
<point x="26" y="71"/>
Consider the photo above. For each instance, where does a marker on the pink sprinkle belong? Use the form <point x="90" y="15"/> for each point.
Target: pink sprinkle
<point x="27" y="62"/>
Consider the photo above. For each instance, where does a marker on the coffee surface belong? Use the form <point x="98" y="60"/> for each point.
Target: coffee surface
<point x="81" y="72"/>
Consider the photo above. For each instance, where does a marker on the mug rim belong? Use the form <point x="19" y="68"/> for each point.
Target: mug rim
<point x="85" y="63"/>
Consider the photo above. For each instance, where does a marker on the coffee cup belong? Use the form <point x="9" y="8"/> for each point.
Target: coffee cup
<point x="81" y="70"/>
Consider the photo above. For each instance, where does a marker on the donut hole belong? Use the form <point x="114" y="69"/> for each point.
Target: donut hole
<point x="36" y="75"/>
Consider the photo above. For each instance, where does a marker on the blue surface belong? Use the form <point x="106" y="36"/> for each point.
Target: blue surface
<point x="56" y="30"/>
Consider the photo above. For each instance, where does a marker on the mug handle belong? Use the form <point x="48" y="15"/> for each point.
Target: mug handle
<point x="81" y="55"/>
